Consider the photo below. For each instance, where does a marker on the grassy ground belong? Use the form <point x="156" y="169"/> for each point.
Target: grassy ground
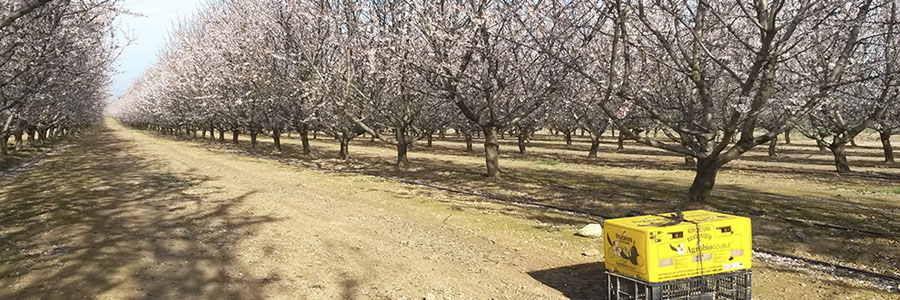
<point x="119" y="214"/>
<point x="789" y="197"/>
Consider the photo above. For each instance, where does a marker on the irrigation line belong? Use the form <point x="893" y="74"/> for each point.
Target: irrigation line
<point x="830" y="265"/>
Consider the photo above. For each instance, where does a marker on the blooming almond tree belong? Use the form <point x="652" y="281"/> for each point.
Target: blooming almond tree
<point x="54" y="68"/>
<point x="19" y="9"/>
<point x="706" y="69"/>
<point x="479" y="51"/>
<point x="872" y="88"/>
<point x="390" y="90"/>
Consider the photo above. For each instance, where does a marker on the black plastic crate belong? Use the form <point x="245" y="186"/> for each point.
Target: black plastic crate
<point x="730" y="286"/>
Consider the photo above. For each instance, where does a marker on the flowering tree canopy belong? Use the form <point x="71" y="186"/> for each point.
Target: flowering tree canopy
<point x="55" y="66"/>
<point x="716" y="78"/>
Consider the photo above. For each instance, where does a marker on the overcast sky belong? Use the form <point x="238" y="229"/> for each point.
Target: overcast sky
<point x="148" y="33"/>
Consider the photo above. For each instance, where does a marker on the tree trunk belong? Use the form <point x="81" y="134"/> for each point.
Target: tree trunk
<point x="304" y="139"/>
<point x="31" y="134"/>
<point x="840" y="157"/>
<point x="885" y="143"/>
<point x="568" y="136"/>
<point x="822" y="146"/>
<point x="853" y="142"/>
<point x="234" y="136"/>
<point x="19" y="144"/>
<point x="42" y="135"/>
<point x="221" y="135"/>
<point x="772" y="144"/>
<point x="468" y="142"/>
<point x="492" y="151"/>
<point x="704" y="180"/>
<point x="429" y="137"/>
<point x="276" y="138"/>
<point x="253" y="134"/>
<point x="621" y="141"/>
<point x="345" y="148"/>
<point x="402" y="148"/>
<point x="4" y="142"/>
<point x="787" y="136"/>
<point x="521" y="143"/>
<point x="595" y="145"/>
<point x="203" y="134"/>
<point x="690" y="161"/>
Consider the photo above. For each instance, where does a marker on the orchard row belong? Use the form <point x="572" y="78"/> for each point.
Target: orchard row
<point x="55" y="66"/>
<point x="715" y="78"/>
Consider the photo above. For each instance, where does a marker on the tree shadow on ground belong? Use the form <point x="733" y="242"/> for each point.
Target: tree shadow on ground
<point x="798" y="156"/>
<point x="97" y="219"/>
<point x="16" y="158"/>
<point x="577" y="282"/>
<point x="786" y="223"/>
<point x="588" y="281"/>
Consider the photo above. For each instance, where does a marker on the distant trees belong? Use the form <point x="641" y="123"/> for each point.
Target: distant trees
<point x="55" y="61"/>
<point x="716" y="79"/>
<point x="395" y="95"/>
<point x="485" y="63"/>
<point x="869" y="87"/>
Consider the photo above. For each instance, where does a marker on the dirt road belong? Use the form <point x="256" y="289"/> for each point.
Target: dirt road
<point x="119" y="214"/>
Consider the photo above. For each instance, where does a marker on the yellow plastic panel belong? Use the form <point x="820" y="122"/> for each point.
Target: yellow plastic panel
<point x="655" y="248"/>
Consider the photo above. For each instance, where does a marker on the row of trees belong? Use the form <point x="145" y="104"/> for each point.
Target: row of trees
<point x="715" y="78"/>
<point x="55" y="66"/>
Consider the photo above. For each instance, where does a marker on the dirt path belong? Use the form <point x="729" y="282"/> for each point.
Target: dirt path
<point x="122" y="215"/>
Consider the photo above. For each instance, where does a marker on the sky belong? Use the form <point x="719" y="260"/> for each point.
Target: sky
<point x="147" y="33"/>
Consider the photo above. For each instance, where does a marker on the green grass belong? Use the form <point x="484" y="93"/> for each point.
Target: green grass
<point x="548" y="162"/>
<point x="875" y="190"/>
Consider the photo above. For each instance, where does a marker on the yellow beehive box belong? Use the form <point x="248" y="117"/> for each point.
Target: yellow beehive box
<point x="656" y="248"/>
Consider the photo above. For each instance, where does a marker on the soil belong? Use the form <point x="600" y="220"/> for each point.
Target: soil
<point x="122" y="214"/>
<point x="798" y="204"/>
